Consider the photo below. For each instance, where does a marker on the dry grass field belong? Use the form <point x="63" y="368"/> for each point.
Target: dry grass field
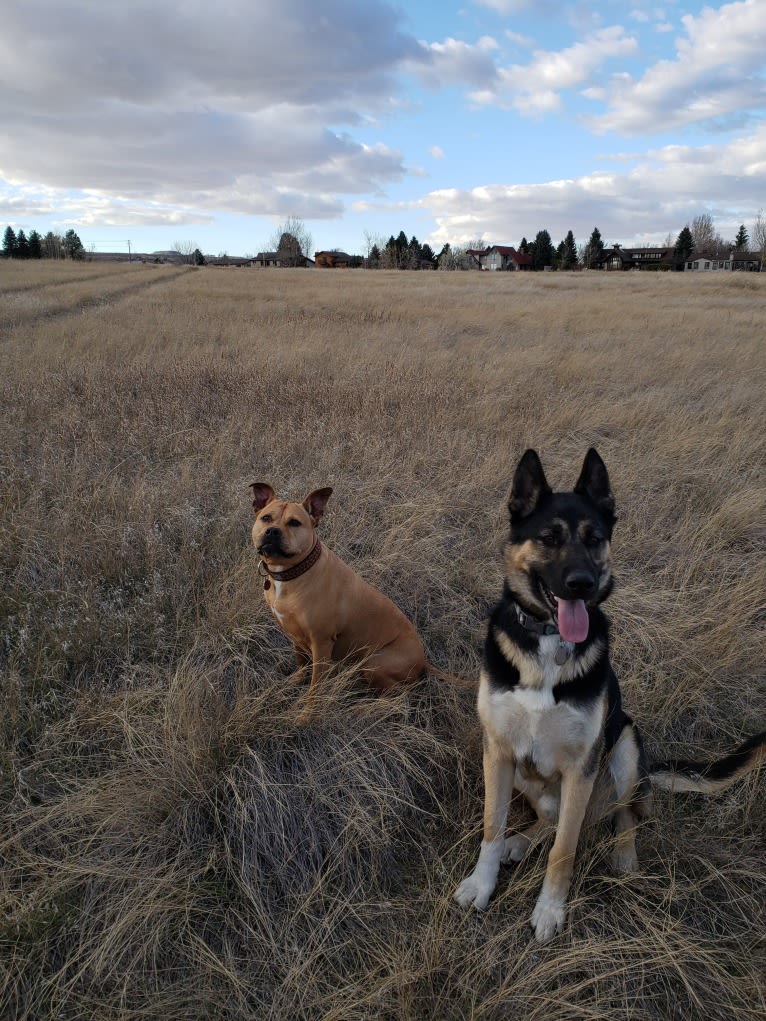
<point x="174" y="845"/>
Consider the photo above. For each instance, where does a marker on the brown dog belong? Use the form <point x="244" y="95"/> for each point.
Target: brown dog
<point x="327" y="610"/>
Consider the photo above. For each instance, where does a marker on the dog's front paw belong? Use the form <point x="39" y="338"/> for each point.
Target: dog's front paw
<point x="474" y="891"/>
<point x="548" y="917"/>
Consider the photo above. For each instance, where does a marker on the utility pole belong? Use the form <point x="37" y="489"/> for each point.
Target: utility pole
<point x="129" y="255"/>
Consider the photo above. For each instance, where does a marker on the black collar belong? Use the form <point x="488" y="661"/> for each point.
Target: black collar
<point x="532" y="624"/>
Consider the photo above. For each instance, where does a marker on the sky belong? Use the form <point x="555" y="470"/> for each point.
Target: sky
<point x="213" y="121"/>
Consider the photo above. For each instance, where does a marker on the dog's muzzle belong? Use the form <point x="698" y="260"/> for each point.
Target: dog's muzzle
<point x="271" y="544"/>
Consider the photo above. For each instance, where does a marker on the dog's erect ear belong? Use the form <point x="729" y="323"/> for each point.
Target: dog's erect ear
<point x="594" y="483"/>
<point x="262" y="494"/>
<point x="529" y="486"/>
<point x="316" y="502"/>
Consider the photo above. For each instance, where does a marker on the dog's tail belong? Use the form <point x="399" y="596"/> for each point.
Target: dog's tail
<point x="461" y="682"/>
<point x="710" y="777"/>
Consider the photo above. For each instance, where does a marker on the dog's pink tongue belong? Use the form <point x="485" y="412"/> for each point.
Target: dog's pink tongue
<point x="573" y="619"/>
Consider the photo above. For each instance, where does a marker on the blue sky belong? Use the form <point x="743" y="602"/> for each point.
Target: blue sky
<point x="213" y="122"/>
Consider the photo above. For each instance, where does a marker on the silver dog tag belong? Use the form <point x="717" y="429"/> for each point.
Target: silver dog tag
<point x="563" y="652"/>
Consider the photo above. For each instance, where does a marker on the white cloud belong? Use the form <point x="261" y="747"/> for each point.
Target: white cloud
<point x="202" y="106"/>
<point x="718" y="72"/>
<point x="454" y="62"/>
<point x="437" y="152"/>
<point x="534" y="88"/>
<point x="505" y="7"/>
<point x="662" y="191"/>
<point x="520" y="40"/>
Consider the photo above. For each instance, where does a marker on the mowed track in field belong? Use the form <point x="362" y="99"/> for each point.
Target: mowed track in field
<point x="24" y="303"/>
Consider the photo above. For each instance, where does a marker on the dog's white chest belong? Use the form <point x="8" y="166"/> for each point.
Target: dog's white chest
<point x="277" y="586"/>
<point x="528" y="721"/>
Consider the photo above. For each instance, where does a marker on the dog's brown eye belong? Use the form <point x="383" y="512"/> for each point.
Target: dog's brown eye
<point x="267" y="518"/>
<point x="552" y="539"/>
<point x="294" y="523"/>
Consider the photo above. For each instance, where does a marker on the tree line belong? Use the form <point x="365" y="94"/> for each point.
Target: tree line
<point x="52" y="246"/>
<point x="698" y="238"/>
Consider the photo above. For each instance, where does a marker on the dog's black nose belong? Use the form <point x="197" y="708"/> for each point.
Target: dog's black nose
<point x="272" y="533"/>
<point x="580" y="584"/>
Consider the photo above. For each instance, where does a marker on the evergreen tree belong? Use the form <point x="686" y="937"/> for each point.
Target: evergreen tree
<point x="9" y="242"/>
<point x="289" y="249"/>
<point x="543" y="250"/>
<point x="567" y="252"/>
<point x="412" y="255"/>
<point x="72" y="245"/>
<point x="594" y="249"/>
<point x="374" y="261"/>
<point x="684" y="247"/>
<point x="390" y="256"/>
<point x="571" y="244"/>
<point x="22" y="245"/>
<point x="523" y="248"/>
<point x="199" y="258"/>
<point x="35" y="245"/>
<point x="402" y="250"/>
<point x="427" y="255"/>
<point x="742" y="239"/>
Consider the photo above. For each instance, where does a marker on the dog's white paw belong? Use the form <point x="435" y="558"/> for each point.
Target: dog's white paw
<point x="474" y="892"/>
<point x="515" y="848"/>
<point x="548" y="917"/>
<point x="625" y="861"/>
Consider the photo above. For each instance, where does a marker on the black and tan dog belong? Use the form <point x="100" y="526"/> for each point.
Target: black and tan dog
<point x="549" y="701"/>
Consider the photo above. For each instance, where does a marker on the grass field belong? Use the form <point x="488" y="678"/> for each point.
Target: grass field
<point x="174" y="845"/>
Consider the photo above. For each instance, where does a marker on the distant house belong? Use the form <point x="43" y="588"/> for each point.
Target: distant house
<point x="475" y="255"/>
<point x="281" y="260"/>
<point x="504" y="257"/>
<point x="749" y="262"/>
<point x="618" y="258"/>
<point x="337" y="260"/>
<point x="227" y="260"/>
<point x="736" y="261"/>
<point x="704" y="264"/>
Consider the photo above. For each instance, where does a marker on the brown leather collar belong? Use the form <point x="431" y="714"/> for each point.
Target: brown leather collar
<point x="292" y="572"/>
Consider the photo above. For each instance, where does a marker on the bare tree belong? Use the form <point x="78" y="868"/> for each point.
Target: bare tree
<point x="454" y="257"/>
<point x="293" y="238"/>
<point x="186" y="250"/>
<point x="372" y="240"/>
<point x="703" y="234"/>
<point x="758" y="237"/>
<point x="53" y="246"/>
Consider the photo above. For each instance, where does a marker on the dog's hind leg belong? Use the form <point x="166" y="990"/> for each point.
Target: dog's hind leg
<point x="544" y="799"/>
<point x="633" y="792"/>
